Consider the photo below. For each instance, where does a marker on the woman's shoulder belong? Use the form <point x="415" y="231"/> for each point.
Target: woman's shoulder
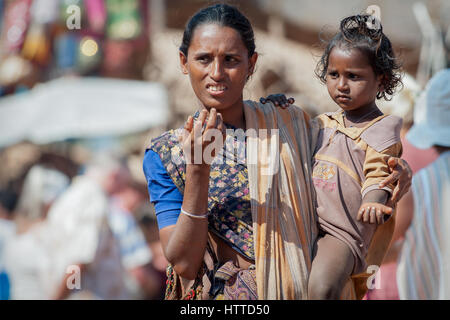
<point x="166" y="140"/>
<point x="270" y="109"/>
<point x="164" y="156"/>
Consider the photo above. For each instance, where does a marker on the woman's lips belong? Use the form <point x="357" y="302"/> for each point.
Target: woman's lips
<point x="216" y="89"/>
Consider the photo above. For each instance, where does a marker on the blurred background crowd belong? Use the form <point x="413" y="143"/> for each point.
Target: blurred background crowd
<point x="85" y="85"/>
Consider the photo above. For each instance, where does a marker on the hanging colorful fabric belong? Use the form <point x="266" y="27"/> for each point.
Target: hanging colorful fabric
<point x="66" y="50"/>
<point x="2" y="11"/>
<point x="89" y="55"/>
<point x="44" y="11"/>
<point x="16" y="21"/>
<point x="36" y="47"/>
<point x="124" y="20"/>
<point x="96" y="15"/>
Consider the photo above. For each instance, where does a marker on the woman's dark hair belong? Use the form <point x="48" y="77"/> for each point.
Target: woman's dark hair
<point x="223" y="15"/>
<point x="355" y="33"/>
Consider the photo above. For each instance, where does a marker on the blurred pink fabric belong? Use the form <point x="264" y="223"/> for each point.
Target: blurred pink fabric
<point x="417" y="158"/>
<point x="96" y="13"/>
<point x="388" y="285"/>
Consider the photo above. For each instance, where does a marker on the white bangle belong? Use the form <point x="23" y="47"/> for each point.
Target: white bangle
<point x="196" y="216"/>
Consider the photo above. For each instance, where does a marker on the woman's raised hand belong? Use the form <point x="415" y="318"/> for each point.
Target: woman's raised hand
<point x="278" y="99"/>
<point x="202" y="139"/>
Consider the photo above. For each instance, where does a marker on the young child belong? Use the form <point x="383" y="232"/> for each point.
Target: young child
<point x="351" y="147"/>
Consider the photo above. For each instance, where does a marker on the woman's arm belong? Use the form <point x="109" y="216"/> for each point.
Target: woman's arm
<point x="184" y="243"/>
<point x="166" y="198"/>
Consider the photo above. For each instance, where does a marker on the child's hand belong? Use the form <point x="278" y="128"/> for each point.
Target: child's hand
<point x="278" y="99"/>
<point x="372" y="212"/>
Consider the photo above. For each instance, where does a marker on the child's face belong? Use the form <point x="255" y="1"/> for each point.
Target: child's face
<point x="351" y="81"/>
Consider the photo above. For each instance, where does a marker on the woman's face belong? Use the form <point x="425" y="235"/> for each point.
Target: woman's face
<point x="218" y="66"/>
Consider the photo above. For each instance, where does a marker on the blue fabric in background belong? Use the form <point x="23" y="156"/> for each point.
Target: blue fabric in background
<point x="4" y="286"/>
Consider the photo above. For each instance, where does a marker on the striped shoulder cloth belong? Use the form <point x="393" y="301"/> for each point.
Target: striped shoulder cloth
<point x="282" y="200"/>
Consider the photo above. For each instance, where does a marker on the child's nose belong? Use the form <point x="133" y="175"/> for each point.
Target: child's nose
<point x="342" y="84"/>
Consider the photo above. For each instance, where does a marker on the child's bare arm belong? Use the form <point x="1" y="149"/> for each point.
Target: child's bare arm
<point x="373" y="207"/>
<point x="378" y="196"/>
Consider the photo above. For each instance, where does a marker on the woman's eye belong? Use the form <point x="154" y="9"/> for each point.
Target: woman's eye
<point x="333" y="74"/>
<point x="230" y="59"/>
<point x="203" y="59"/>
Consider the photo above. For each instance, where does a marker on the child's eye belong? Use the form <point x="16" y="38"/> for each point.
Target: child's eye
<point x="353" y="76"/>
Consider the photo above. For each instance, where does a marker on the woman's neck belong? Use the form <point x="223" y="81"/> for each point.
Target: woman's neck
<point x="233" y="115"/>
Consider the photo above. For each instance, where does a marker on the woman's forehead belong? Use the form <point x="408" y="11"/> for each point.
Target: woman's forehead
<point x="212" y="37"/>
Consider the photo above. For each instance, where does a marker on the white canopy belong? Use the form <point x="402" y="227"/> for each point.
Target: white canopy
<point x="82" y="108"/>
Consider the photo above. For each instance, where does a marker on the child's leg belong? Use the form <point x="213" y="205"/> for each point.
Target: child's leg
<point x="330" y="270"/>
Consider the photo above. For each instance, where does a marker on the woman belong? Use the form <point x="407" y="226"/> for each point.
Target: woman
<point x="247" y="229"/>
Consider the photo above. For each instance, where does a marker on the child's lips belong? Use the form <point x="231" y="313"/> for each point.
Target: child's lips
<point x="342" y="98"/>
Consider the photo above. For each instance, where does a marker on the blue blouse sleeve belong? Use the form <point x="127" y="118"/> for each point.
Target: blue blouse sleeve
<point x="165" y="196"/>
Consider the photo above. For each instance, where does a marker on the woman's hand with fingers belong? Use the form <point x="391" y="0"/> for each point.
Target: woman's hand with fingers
<point x="201" y="138"/>
<point x="278" y="99"/>
<point x="402" y="174"/>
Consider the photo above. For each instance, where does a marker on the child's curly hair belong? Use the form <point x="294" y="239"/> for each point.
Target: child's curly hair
<point x="355" y="33"/>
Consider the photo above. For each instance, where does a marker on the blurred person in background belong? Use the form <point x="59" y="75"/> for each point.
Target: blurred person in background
<point x="410" y="98"/>
<point x="26" y="256"/>
<point x="141" y="280"/>
<point x="423" y="266"/>
<point x="146" y="217"/>
<point x="8" y="200"/>
<point x="86" y="256"/>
